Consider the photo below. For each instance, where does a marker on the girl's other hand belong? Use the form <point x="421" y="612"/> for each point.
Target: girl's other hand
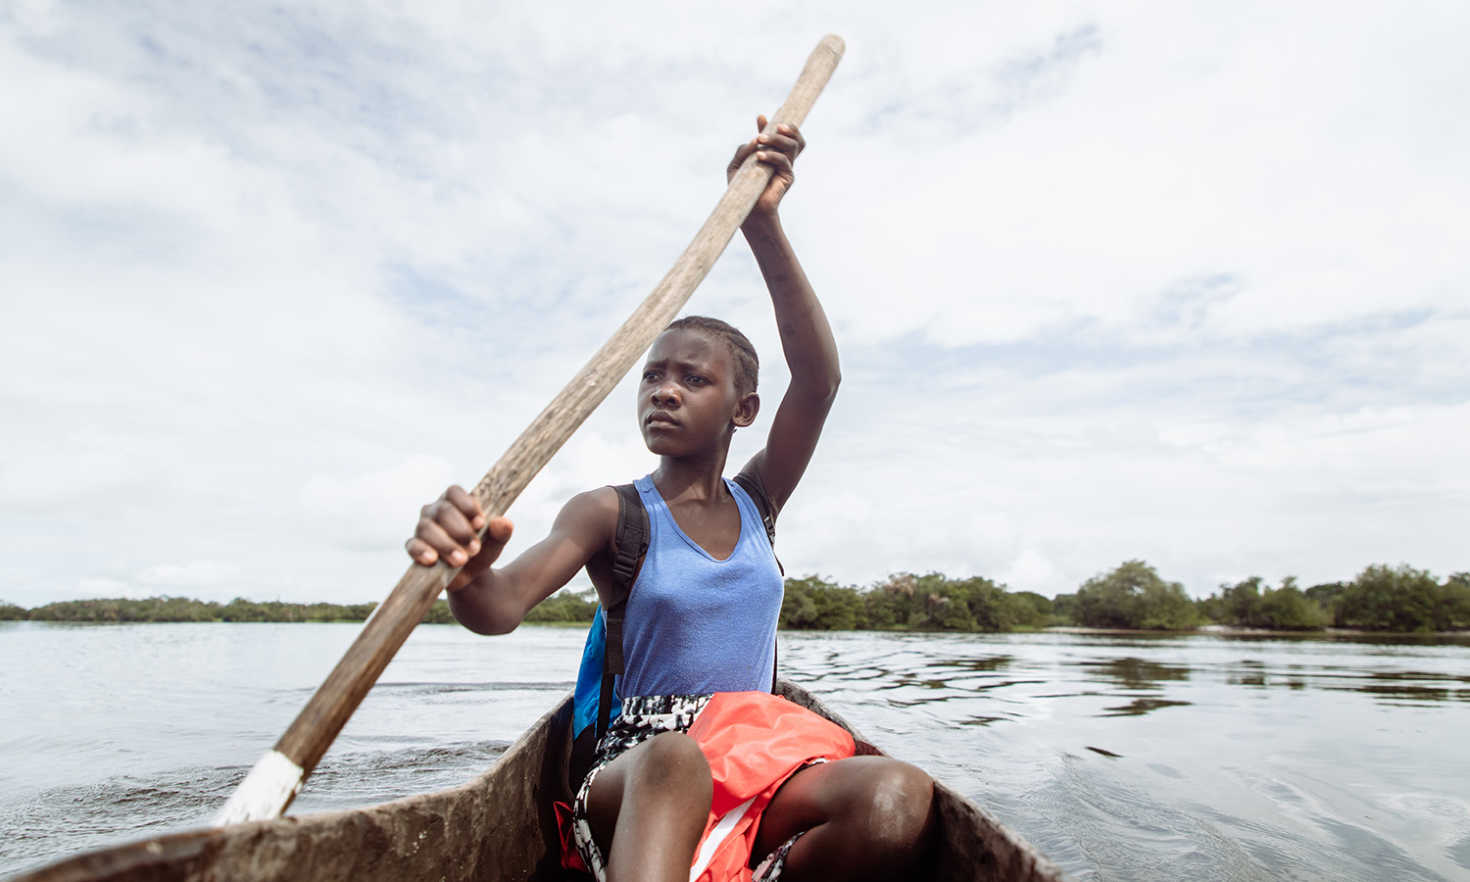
<point x="449" y="528"/>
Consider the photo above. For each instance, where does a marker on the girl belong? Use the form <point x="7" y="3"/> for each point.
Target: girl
<point x="701" y="619"/>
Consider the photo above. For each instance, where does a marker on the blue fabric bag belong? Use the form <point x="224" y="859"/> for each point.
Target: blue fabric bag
<point x="589" y="679"/>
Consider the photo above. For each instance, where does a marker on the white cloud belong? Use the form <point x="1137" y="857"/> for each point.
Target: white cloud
<point x="203" y="575"/>
<point x="368" y="510"/>
<point x="1166" y="282"/>
<point x="104" y="587"/>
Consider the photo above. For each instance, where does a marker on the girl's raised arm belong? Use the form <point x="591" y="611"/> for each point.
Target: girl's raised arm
<point x="806" y="337"/>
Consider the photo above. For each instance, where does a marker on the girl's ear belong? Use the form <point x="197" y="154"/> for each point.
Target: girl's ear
<point x="745" y="411"/>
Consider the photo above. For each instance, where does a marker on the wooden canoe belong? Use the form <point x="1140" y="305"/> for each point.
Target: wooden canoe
<point x="499" y="827"/>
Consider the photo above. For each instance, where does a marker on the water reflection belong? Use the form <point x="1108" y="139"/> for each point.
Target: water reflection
<point x="982" y="663"/>
<point x="1387" y="686"/>
<point x="1180" y="756"/>
<point x="1140" y="706"/>
<point x="1130" y="676"/>
<point x="1459" y="638"/>
<point x="1137" y="673"/>
<point x="1165" y="757"/>
<point x="1414" y="693"/>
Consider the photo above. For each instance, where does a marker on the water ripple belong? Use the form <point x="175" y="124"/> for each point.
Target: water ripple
<point x="1119" y="757"/>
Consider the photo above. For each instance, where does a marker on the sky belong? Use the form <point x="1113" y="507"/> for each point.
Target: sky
<point x="1178" y="282"/>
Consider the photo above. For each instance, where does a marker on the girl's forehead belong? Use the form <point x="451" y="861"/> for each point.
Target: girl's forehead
<point x="683" y="344"/>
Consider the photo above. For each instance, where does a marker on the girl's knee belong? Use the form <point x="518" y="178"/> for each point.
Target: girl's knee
<point x="673" y="760"/>
<point x="899" y="806"/>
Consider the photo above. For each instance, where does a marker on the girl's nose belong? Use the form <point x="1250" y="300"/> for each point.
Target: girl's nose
<point x="666" y="395"/>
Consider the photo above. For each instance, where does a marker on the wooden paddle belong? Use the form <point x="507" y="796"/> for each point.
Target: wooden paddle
<point x="274" y="781"/>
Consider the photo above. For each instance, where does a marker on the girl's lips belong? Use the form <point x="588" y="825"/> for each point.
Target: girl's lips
<point x="660" y="419"/>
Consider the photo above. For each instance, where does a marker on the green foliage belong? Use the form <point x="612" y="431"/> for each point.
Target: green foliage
<point x="1288" y="609"/>
<point x="886" y="607"/>
<point x="1133" y="596"/>
<point x="1247" y="605"/>
<point x="814" y="604"/>
<point x="1040" y="606"/>
<point x="1327" y="594"/>
<point x="439" y="614"/>
<point x="1241" y="604"/>
<point x="1384" y="598"/>
<point x="1064" y="609"/>
<point x="1211" y="609"/>
<point x="993" y="608"/>
<point x="121" y="609"/>
<point x="931" y="602"/>
<point x="563" y="606"/>
<point x="1453" y="612"/>
<point x="242" y="610"/>
<point x="184" y="609"/>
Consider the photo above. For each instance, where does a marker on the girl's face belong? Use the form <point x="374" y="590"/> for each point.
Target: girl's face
<point x="687" y="403"/>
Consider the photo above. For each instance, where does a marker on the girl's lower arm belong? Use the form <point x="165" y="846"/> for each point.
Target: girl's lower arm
<point x="486" y="606"/>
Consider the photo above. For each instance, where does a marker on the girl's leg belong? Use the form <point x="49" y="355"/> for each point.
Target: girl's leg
<point x="866" y="817"/>
<point x="648" y="808"/>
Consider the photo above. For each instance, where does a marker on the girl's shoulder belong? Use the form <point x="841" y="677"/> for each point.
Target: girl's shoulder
<point x="590" y="517"/>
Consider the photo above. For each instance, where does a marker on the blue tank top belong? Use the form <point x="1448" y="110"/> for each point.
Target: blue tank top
<point x="694" y="624"/>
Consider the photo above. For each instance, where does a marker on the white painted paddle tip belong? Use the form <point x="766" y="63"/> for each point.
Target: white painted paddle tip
<point x="265" y="792"/>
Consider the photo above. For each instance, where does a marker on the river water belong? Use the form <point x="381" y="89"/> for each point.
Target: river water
<point x="1199" y="757"/>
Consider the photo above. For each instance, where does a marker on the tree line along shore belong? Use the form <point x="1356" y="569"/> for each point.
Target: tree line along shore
<point x="1130" y="597"/>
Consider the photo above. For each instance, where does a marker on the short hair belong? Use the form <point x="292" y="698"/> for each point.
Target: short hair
<point x="747" y="363"/>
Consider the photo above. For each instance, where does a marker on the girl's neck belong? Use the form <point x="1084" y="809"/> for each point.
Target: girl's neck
<point x="692" y="480"/>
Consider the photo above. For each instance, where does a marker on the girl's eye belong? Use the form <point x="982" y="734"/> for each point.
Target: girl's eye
<point x="695" y="380"/>
<point x="650" y="376"/>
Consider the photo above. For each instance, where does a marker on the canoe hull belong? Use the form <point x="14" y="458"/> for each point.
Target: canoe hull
<point x="498" y="827"/>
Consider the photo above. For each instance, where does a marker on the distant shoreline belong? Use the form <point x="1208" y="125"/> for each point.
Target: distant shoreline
<point x="561" y="608"/>
<point x="1130" y="600"/>
<point x="1078" y="630"/>
<point x="1235" y="631"/>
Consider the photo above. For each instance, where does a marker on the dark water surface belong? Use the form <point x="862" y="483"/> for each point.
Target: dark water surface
<point x="1194" y="757"/>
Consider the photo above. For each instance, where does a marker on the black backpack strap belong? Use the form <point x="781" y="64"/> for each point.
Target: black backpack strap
<point x="757" y="491"/>
<point x="630" y="544"/>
